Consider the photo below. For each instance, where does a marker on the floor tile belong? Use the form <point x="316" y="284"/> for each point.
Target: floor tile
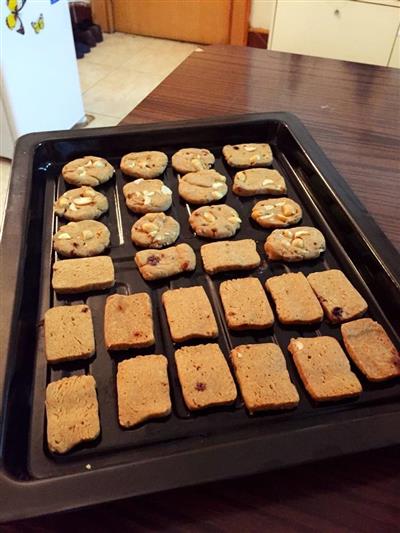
<point x="115" y="49"/>
<point x="102" y="121"/>
<point x="90" y="73"/>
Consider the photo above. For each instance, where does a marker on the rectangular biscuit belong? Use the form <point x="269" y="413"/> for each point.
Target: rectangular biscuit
<point x="339" y="299"/>
<point x="263" y="377"/>
<point x="204" y="376"/>
<point x="72" y="276"/>
<point x="230" y="255"/>
<point x="143" y="389"/>
<point x="128" y="321"/>
<point x="370" y="348"/>
<point x="294" y="299"/>
<point x="324" y="368"/>
<point x="72" y="412"/>
<point x="68" y="333"/>
<point x="259" y="181"/>
<point x="159" y="264"/>
<point x="189" y="314"/>
<point x="245" y="304"/>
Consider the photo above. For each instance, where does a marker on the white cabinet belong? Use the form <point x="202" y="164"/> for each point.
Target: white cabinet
<point x="340" y="29"/>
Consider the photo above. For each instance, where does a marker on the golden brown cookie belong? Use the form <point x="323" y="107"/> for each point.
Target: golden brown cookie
<point x="258" y="181"/>
<point x="155" y="230"/>
<point x="276" y="213"/>
<point x="159" y="264"/>
<point x="88" y="170"/>
<point x="248" y="155"/>
<point x="202" y="187"/>
<point x="192" y="160"/>
<point x="215" y="221"/>
<point x="147" y="196"/>
<point x="81" y="239"/>
<point x="72" y="276"/>
<point x="146" y="165"/>
<point x="229" y="255"/>
<point x="295" y="244"/>
<point x="83" y="203"/>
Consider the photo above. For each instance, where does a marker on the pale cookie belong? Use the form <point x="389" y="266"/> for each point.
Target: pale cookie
<point x="263" y="377"/>
<point x="146" y="165"/>
<point x="245" y="304"/>
<point x="324" y="368"/>
<point x="295" y="244"/>
<point x="72" y="412"/>
<point x="165" y="263"/>
<point x="294" y="299"/>
<point x="83" y="203"/>
<point x="147" y="196"/>
<point x="68" y="333"/>
<point x="128" y="321"/>
<point x="258" y="181"/>
<point x="339" y="299"/>
<point x="88" y="170"/>
<point x="192" y="160"/>
<point x="155" y="230"/>
<point x="189" y="314"/>
<point x="276" y="213"/>
<point x="143" y="389"/>
<point x="248" y="155"/>
<point x="202" y="187"/>
<point x="204" y="376"/>
<point x="81" y="239"/>
<point x="370" y="348"/>
<point x="72" y="276"/>
<point x="215" y="221"/>
<point x="229" y="255"/>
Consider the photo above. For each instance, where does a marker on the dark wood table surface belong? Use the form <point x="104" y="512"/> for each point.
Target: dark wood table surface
<point x="352" y="111"/>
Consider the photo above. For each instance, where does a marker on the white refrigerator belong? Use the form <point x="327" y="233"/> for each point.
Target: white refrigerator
<point x="40" y="88"/>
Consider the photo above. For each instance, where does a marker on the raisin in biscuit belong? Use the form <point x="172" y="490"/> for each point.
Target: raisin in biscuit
<point x="204" y="376"/>
<point x="83" y="203"/>
<point x="189" y="314"/>
<point x="370" y="348"/>
<point x="258" y="181"/>
<point x="146" y="165"/>
<point x="295" y="300"/>
<point x="72" y="412"/>
<point x="88" y="170"/>
<point x="155" y="230"/>
<point x="276" y="213"/>
<point x="147" y="196"/>
<point x="68" y="333"/>
<point x="263" y="377"/>
<point x="192" y="160"/>
<point x="339" y="299"/>
<point x="143" y="389"/>
<point x="215" y="221"/>
<point x="324" y="368"/>
<point x="154" y="264"/>
<point x="80" y="275"/>
<point x="229" y="255"/>
<point x="245" y="304"/>
<point x="81" y="239"/>
<point x="248" y="155"/>
<point x="202" y="187"/>
<point x="295" y="244"/>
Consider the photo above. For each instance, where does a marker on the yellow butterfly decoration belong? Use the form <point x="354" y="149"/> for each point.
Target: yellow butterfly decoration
<point x="39" y="24"/>
<point x="13" y="19"/>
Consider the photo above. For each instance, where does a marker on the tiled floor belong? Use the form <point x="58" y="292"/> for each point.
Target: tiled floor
<point x="128" y="65"/>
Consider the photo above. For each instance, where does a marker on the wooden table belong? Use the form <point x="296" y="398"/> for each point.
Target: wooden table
<point x="352" y="111"/>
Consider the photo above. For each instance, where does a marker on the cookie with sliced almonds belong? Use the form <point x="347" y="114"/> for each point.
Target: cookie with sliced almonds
<point x="192" y="160"/>
<point x="146" y="165"/>
<point x="88" y="170"/>
<point x="258" y="181"/>
<point x="155" y="230"/>
<point x="248" y="155"/>
<point x="202" y="187"/>
<point x="83" y="203"/>
<point x="276" y="213"/>
<point x="215" y="221"/>
<point x="147" y="196"/>
<point x="295" y="244"/>
<point x="81" y="239"/>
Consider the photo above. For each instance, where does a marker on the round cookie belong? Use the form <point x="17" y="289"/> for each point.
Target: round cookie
<point x="202" y="187"/>
<point x="192" y="160"/>
<point x="147" y="196"/>
<point x="215" y="221"/>
<point x="295" y="244"/>
<point x="276" y="213"/>
<point x="88" y="170"/>
<point x="155" y="230"/>
<point x="81" y="239"/>
<point x="146" y="165"/>
<point x="248" y="155"/>
<point x="83" y="203"/>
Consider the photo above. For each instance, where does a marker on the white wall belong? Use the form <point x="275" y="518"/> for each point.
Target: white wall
<point x="261" y="14"/>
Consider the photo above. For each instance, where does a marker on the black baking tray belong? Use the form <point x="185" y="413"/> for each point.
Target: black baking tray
<point x="185" y="448"/>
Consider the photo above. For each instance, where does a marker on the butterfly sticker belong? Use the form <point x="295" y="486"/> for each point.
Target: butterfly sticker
<point x="39" y="24"/>
<point x="13" y="20"/>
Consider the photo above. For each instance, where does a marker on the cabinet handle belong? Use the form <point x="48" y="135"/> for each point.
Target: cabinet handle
<point x="337" y="12"/>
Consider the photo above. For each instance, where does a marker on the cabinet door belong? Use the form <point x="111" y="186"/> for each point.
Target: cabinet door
<point x="338" y="29"/>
